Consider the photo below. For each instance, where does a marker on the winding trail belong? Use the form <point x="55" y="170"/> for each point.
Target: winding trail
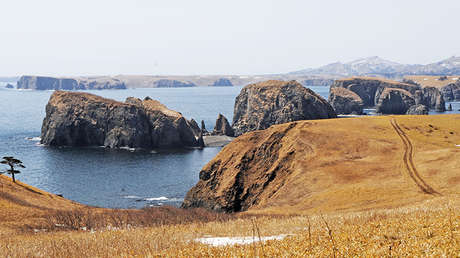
<point x="409" y="163"/>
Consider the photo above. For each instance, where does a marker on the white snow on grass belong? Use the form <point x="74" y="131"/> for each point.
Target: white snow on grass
<point x="223" y="241"/>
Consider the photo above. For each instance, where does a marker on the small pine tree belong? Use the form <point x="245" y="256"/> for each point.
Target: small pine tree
<point x="13" y="163"/>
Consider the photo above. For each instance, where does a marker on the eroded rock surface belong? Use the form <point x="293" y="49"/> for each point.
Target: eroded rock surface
<point x="418" y="109"/>
<point x="260" y="105"/>
<point x="345" y="101"/>
<point x="394" y="101"/>
<point x="83" y="119"/>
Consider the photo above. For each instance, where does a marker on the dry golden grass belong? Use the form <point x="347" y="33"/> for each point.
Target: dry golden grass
<point x="366" y="204"/>
<point x="430" y="228"/>
<point x="432" y="81"/>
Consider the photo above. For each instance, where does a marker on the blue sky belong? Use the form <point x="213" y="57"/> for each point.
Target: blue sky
<point x="56" y="37"/>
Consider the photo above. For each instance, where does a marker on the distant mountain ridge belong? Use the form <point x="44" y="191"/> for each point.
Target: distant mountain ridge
<point x="375" y="65"/>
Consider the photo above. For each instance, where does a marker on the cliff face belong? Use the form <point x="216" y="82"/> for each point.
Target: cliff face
<point x="322" y="165"/>
<point x="451" y="92"/>
<point x="345" y="101"/>
<point x="371" y="89"/>
<point x="52" y="83"/>
<point x="260" y="105"/>
<point x="394" y="101"/>
<point x="82" y="119"/>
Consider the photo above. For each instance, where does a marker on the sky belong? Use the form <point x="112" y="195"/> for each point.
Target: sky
<point x="184" y="37"/>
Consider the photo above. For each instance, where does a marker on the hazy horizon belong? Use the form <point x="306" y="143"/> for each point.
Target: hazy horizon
<point x="204" y="37"/>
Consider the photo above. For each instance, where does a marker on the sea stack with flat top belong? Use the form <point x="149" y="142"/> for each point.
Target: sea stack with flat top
<point x="83" y="119"/>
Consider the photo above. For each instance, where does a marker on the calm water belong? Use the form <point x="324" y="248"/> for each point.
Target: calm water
<point x="113" y="178"/>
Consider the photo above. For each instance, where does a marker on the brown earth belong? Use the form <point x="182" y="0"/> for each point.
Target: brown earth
<point x="334" y="165"/>
<point x="432" y="81"/>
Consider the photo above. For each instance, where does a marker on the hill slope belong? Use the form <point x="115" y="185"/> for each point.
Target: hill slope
<point x="333" y="165"/>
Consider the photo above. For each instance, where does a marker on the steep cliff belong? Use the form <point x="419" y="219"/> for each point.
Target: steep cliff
<point x="394" y="101"/>
<point x="345" y="101"/>
<point x="260" y="105"/>
<point x="82" y="119"/>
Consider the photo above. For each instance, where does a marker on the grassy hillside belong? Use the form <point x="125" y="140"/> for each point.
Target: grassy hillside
<point x="375" y="186"/>
<point x="432" y="81"/>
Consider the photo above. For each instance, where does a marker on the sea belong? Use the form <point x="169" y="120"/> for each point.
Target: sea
<point x="115" y="178"/>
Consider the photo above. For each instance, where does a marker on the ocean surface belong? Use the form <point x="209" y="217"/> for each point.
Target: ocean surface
<point x="114" y="178"/>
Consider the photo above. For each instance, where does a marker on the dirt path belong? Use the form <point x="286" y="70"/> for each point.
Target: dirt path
<point x="408" y="160"/>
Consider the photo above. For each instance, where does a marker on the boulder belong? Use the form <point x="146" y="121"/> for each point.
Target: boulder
<point x="417" y="109"/>
<point x="394" y="101"/>
<point x="440" y="104"/>
<point x="345" y="101"/>
<point x="260" y="105"/>
<point x="222" y="82"/>
<point x="9" y="86"/>
<point x="166" y="83"/>
<point x="83" y="119"/>
<point x="222" y="127"/>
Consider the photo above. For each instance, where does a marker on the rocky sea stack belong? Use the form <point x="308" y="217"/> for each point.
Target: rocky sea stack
<point x="222" y="82"/>
<point x="260" y="105"/>
<point x="223" y="127"/>
<point x="83" y="119"/>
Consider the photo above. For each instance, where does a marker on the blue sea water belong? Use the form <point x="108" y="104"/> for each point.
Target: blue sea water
<point x="114" y="178"/>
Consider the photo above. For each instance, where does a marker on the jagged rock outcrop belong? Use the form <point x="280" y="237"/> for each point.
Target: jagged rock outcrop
<point x="222" y="127"/>
<point x="417" y="109"/>
<point x="371" y="89"/>
<point x="449" y="108"/>
<point x="165" y="83"/>
<point x="394" y="101"/>
<point x="222" y="82"/>
<point x="83" y="119"/>
<point x="260" y="105"/>
<point x="203" y="129"/>
<point x="52" y="83"/>
<point x="9" y="86"/>
<point x="345" y="101"/>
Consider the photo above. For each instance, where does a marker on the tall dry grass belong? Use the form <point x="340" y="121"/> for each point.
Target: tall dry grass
<point x="430" y="228"/>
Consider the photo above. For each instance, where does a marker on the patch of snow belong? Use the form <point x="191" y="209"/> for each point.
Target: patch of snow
<point x="458" y="145"/>
<point x="223" y="241"/>
<point x="455" y="78"/>
<point x="425" y="79"/>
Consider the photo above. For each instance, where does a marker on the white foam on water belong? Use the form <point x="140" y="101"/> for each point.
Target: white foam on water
<point x="458" y="145"/>
<point x="131" y="197"/>
<point x="34" y="139"/>
<point x="128" y="149"/>
<point x="162" y="198"/>
<point x="223" y="241"/>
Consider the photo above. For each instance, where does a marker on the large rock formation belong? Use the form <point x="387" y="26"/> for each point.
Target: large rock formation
<point x="371" y="89"/>
<point x="166" y="83"/>
<point x="451" y="92"/>
<point x="222" y="127"/>
<point x="52" y="83"/>
<point x="345" y="101"/>
<point x="82" y="119"/>
<point x="260" y="105"/>
<point x="222" y="82"/>
<point x="394" y="101"/>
